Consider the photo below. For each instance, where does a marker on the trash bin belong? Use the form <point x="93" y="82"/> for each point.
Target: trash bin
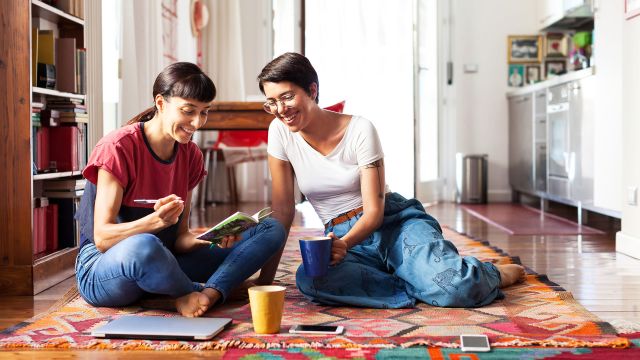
<point x="471" y="178"/>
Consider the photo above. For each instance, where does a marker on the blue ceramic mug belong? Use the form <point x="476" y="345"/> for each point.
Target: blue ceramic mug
<point x="316" y="255"/>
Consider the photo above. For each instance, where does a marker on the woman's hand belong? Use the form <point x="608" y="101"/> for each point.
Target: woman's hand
<point x="168" y="210"/>
<point x="188" y="243"/>
<point x="339" y="249"/>
<point x="229" y="240"/>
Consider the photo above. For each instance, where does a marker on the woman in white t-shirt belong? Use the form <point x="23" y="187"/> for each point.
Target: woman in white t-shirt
<point x="387" y="252"/>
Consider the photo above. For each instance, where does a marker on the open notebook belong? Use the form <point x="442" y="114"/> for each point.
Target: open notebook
<point x="161" y="327"/>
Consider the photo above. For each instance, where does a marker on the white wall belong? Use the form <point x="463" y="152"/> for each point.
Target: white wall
<point x="476" y="102"/>
<point x="628" y="240"/>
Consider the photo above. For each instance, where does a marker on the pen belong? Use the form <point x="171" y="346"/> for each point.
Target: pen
<point x="145" y="201"/>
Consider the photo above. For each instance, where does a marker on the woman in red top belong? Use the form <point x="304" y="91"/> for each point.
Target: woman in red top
<point x="129" y="249"/>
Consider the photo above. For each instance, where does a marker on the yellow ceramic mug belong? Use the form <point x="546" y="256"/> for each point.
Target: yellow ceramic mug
<point x="267" y="303"/>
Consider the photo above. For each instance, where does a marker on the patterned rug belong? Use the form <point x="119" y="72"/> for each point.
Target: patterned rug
<point x="535" y="313"/>
<point x="435" y="353"/>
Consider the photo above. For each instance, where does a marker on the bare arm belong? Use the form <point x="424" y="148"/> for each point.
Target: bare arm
<point x="283" y="207"/>
<point x="372" y="185"/>
<point x="107" y="232"/>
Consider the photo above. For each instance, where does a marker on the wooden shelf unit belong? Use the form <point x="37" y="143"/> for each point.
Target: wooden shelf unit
<point x="22" y="272"/>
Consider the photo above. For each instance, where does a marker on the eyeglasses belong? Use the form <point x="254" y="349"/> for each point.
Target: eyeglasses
<point x="287" y="101"/>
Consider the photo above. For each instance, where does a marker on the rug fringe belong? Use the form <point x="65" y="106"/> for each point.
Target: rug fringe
<point x="618" y="343"/>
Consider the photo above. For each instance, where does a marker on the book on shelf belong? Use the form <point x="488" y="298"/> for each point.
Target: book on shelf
<point x="81" y="76"/>
<point x="46" y="60"/>
<point x="63" y="194"/>
<point x="45" y="226"/>
<point x="72" y="7"/>
<point x="42" y="148"/>
<point x="234" y="224"/>
<point x="64" y="184"/>
<point x="63" y="148"/>
<point x="50" y="117"/>
<point x="66" y="65"/>
<point x="34" y="56"/>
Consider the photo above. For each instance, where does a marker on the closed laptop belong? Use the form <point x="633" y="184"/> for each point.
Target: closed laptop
<point x="161" y="327"/>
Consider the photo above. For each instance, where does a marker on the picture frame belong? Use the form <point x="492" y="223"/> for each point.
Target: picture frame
<point x="532" y="74"/>
<point x="555" y="67"/>
<point x="516" y="75"/>
<point x="631" y="8"/>
<point x="524" y="48"/>
<point x="555" y="46"/>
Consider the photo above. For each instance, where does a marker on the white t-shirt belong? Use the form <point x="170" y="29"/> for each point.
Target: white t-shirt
<point x="331" y="183"/>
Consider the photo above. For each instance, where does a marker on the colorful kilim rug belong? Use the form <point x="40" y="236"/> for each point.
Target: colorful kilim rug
<point x="535" y="313"/>
<point x="435" y="353"/>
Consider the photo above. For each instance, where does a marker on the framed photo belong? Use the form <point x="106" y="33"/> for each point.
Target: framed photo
<point x="555" y="67"/>
<point x="524" y="48"/>
<point x="532" y="73"/>
<point x="555" y="45"/>
<point x="631" y="8"/>
<point x="516" y="75"/>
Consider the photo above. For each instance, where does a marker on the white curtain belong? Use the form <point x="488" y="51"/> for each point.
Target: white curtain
<point x="155" y="34"/>
<point x="363" y="53"/>
<point x="223" y="59"/>
<point x="142" y="58"/>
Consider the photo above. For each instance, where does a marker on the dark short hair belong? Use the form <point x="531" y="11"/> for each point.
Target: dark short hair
<point x="180" y="79"/>
<point x="292" y="67"/>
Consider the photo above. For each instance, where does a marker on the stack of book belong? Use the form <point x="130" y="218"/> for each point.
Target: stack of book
<point x="60" y="129"/>
<point x="67" y="188"/>
<point x="70" y="111"/>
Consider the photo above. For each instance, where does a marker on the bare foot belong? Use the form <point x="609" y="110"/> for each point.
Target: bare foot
<point x="193" y="305"/>
<point x="510" y="274"/>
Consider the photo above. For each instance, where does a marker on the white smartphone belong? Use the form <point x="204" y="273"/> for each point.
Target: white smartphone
<point x="316" y="329"/>
<point x="479" y="343"/>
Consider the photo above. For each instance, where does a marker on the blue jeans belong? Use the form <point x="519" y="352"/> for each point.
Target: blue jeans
<point x="405" y="259"/>
<point x="141" y="264"/>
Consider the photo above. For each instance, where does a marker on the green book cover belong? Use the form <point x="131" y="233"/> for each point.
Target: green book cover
<point x="234" y="224"/>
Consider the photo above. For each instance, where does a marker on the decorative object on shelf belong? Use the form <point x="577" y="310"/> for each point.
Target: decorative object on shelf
<point x="524" y="48"/>
<point x="579" y="56"/>
<point x="631" y="8"/>
<point x="532" y="73"/>
<point x="516" y="75"/>
<point x="555" y="67"/>
<point x="555" y="45"/>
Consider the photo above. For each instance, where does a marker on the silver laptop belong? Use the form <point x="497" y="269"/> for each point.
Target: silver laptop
<point x="160" y="327"/>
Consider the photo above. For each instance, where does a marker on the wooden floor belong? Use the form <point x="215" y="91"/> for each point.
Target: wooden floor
<point x="605" y="282"/>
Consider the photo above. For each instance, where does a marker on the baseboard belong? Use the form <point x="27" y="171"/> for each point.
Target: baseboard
<point x="499" y="196"/>
<point x="628" y="244"/>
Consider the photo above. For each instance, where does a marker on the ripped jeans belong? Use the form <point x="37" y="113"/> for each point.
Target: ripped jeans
<point x="405" y="260"/>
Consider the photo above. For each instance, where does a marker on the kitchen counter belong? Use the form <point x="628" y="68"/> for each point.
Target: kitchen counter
<point x="574" y="75"/>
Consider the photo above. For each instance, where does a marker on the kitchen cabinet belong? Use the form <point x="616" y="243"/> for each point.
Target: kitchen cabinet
<point x="551" y="139"/>
<point x="521" y="172"/>
<point x="549" y="11"/>
<point x="563" y="14"/>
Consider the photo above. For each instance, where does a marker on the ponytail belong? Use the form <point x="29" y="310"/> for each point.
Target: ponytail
<point x="144" y="116"/>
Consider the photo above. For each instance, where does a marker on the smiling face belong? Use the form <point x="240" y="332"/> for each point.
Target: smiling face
<point x="181" y="117"/>
<point x="291" y="103"/>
